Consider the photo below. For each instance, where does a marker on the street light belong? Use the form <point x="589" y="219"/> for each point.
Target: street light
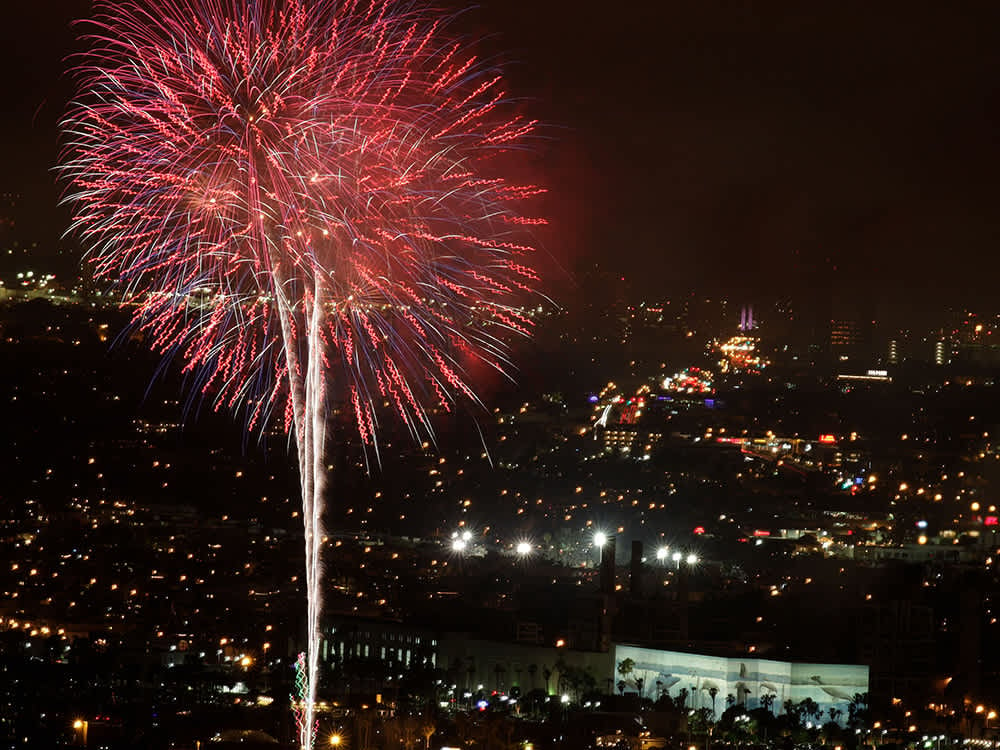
<point x="81" y="726"/>
<point x="661" y="553"/>
<point x="335" y="740"/>
<point x="692" y="559"/>
<point x="523" y="548"/>
<point x="600" y="539"/>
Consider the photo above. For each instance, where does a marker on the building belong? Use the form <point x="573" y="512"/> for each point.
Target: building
<point x="942" y="353"/>
<point x="709" y="681"/>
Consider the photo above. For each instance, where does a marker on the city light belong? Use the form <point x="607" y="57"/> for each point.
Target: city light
<point x="661" y="553"/>
<point x="600" y="539"/>
<point x="523" y="548"/>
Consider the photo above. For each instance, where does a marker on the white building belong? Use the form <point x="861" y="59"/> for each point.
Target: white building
<point x="748" y="680"/>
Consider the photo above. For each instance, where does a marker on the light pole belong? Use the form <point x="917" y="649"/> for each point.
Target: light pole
<point x="600" y="539"/>
<point x="81" y="726"/>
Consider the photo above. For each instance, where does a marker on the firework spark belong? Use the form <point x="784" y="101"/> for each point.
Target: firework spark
<point x="301" y="198"/>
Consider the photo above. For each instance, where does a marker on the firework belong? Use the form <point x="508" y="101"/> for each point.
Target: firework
<point x="301" y="198"/>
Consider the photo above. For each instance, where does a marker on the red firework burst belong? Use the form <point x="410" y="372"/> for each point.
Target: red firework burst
<point x="259" y="178"/>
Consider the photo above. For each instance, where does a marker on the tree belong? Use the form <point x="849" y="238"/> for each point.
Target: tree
<point x="767" y="701"/>
<point x="625" y="667"/>
<point x="857" y="710"/>
<point x="639" y="682"/>
<point x="427" y="729"/>
<point x="681" y="699"/>
<point x="809" y="709"/>
<point x="794" y="713"/>
<point x="700" y="721"/>
<point x="713" y="693"/>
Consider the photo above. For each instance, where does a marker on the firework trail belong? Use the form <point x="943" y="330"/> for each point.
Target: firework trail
<point x="301" y="198"/>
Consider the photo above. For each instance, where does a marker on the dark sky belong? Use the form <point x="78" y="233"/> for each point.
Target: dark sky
<point x="748" y="148"/>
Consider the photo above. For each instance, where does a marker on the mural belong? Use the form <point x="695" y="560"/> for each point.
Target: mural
<point x="716" y="682"/>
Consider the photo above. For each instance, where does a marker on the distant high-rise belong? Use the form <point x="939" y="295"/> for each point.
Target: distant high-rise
<point x="845" y="337"/>
<point x="941" y="354"/>
<point x="746" y="318"/>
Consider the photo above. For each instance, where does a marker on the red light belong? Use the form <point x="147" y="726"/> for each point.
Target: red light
<point x="991" y="521"/>
<point x="827" y="439"/>
<point x="761" y="532"/>
<point x="699" y="529"/>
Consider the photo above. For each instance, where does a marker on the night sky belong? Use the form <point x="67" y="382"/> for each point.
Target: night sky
<point x="752" y="149"/>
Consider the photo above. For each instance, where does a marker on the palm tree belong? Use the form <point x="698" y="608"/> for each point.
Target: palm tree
<point x="639" y="682"/>
<point x="856" y="709"/>
<point x="625" y="668"/>
<point x="793" y="712"/>
<point x="767" y="701"/>
<point x="713" y="693"/>
<point x="427" y="729"/>
<point x="532" y="671"/>
<point x="682" y="697"/>
<point x="809" y="708"/>
<point x="546" y="675"/>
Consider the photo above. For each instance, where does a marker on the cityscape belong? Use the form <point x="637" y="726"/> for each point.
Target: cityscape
<point x="320" y="435"/>
<point x="752" y="543"/>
